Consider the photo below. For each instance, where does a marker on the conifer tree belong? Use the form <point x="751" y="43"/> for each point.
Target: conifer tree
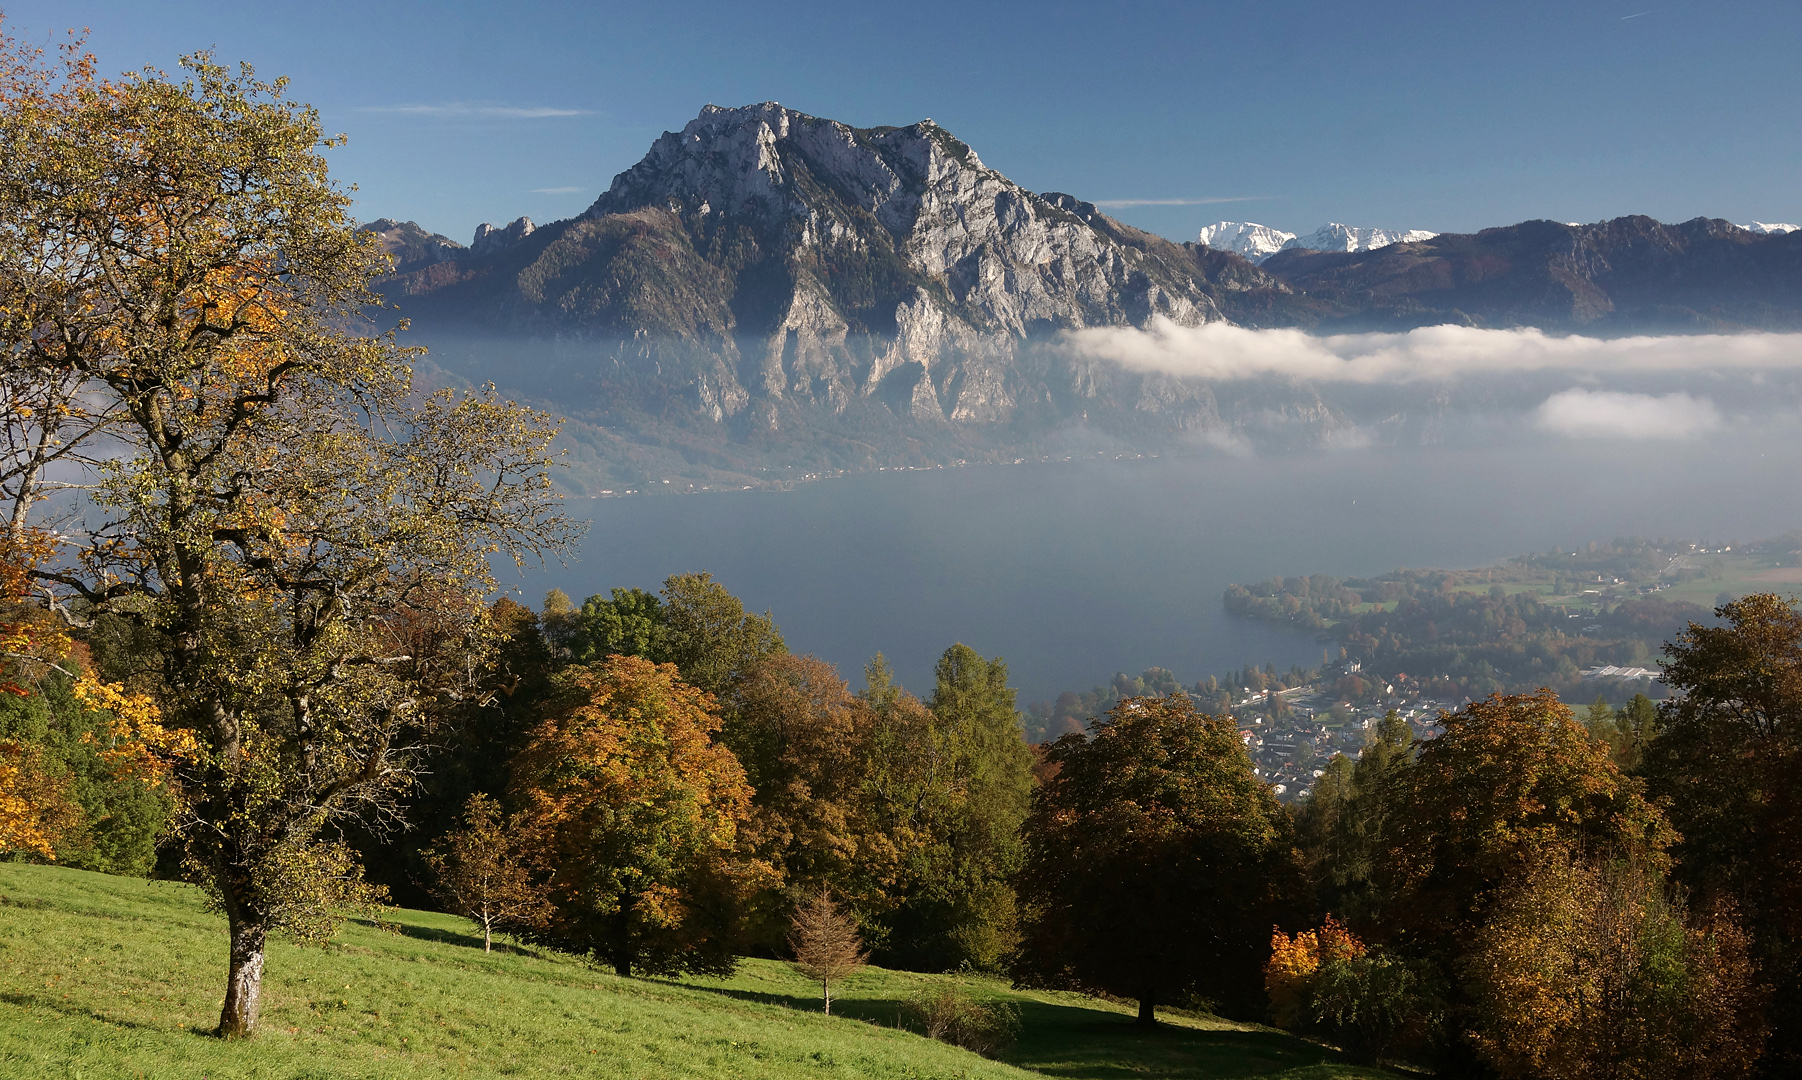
<point x="826" y="944"/>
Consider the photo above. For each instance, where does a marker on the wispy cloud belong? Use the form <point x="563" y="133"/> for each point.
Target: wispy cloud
<point x="1216" y="351"/>
<point x="1636" y="15"/>
<point x="473" y="110"/>
<point x="1600" y="414"/>
<point x="556" y="190"/>
<point x="1114" y="203"/>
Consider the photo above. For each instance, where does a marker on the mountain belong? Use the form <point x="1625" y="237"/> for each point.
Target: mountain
<point x="768" y="295"/>
<point x="1248" y="238"/>
<point x="412" y="247"/>
<point x="1764" y="228"/>
<point x="1336" y="237"/>
<point x="766" y="284"/>
<point x="1258" y="242"/>
<point x="1625" y="276"/>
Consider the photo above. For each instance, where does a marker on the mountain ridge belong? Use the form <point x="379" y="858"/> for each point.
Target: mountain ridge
<point x="768" y="291"/>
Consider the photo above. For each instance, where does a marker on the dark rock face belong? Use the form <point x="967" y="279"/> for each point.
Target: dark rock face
<point x="1628" y="275"/>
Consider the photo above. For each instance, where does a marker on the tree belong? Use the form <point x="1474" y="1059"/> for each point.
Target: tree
<point x="1727" y="763"/>
<point x="37" y="810"/>
<point x="640" y="812"/>
<point x="305" y="538"/>
<point x="958" y="909"/>
<point x="1598" y="720"/>
<point x="826" y="944"/>
<point x="1156" y="862"/>
<point x="630" y="623"/>
<point x="486" y="872"/>
<point x="805" y="742"/>
<point x="1588" y="967"/>
<point x="1507" y="777"/>
<point x="1365" y="999"/>
<point x="707" y="633"/>
<point x="1344" y="830"/>
<point x="84" y="765"/>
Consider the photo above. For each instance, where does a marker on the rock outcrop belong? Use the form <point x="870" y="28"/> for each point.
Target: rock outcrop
<point x="768" y="270"/>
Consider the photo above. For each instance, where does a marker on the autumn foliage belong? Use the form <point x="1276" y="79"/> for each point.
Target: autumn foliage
<point x="1294" y="963"/>
<point x="640" y="812"/>
<point x="488" y="871"/>
<point x="826" y="944"/>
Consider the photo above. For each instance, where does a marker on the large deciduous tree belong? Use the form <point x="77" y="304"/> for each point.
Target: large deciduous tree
<point x="1156" y="862"/>
<point x="303" y="536"/>
<point x="1508" y="776"/>
<point x="640" y="812"/>
<point x="1727" y="762"/>
<point x="804" y="740"/>
<point x="1591" y="968"/>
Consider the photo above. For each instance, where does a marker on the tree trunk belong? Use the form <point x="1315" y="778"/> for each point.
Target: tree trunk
<point x="826" y="992"/>
<point x="1148" y="1010"/>
<point x="487" y="937"/>
<point x="622" y="936"/>
<point x="244" y="986"/>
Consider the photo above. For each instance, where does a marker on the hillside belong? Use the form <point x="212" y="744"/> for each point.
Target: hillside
<point x="110" y="976"/>
<point x="1630" y="275"/>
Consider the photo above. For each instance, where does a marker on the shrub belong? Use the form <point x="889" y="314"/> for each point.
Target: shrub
<point x="947" y="1012"/>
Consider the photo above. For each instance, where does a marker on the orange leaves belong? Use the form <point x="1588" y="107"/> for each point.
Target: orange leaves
<point x="1289" y="973"/>
<point x="640" y="810"/>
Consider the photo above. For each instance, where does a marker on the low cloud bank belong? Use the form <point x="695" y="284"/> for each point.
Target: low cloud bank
<point x="1217" y="351"/>
<point x="1601" y="414"/>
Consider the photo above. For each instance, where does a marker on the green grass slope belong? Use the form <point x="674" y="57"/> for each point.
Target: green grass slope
<point x="115" y="977"/>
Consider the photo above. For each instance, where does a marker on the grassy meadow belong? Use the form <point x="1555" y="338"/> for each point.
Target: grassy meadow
<point x="116" y="977"/>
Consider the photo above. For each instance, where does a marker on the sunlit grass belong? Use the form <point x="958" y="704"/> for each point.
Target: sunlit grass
<point x="114" y="977"/>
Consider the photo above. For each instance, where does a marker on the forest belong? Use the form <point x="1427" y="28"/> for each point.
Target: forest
<point x="253" y="641"/>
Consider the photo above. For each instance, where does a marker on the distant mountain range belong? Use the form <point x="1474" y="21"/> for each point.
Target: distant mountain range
<point x="768" y="294"/>
<point x="1259" y="242"/>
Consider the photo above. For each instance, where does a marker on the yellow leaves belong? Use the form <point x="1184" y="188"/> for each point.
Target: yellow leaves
<point x="137" y="743"/>
<point x="1289" y="973"/>
<point x="35" y="809"/>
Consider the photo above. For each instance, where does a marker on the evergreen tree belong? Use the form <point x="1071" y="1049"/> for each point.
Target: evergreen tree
<point x="959" y="906"/>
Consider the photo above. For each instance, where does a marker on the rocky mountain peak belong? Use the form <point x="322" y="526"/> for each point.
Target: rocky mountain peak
<point x="490" y="238"/>
<point x="410" y="246"/>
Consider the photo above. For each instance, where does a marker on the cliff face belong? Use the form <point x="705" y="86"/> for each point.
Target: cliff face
<point x="769" y="291"/>
<point x="763" y="268"/>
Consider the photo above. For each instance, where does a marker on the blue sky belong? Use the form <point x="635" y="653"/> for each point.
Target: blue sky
<point x="1446" y="116"/>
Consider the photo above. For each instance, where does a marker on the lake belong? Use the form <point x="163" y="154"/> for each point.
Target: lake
<point x="1073" y="571"/>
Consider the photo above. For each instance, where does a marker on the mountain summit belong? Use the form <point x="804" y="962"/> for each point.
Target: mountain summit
<point x="1259" y="242"/>
<point x="768" y="291"/>
<point x="761" y="257"/>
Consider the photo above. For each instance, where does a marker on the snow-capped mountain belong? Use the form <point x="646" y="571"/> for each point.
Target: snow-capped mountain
<point x="1336" y="237"/>
<point x="1770" y="227"/>
<point x="1255" y="242"/>
<point x="1259" y="242"/>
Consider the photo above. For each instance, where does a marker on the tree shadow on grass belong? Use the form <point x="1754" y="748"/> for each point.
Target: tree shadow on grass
<point x="439" y="935"/>
<point x="1092" y="1044"/>
<point x="1080" y="1043"/>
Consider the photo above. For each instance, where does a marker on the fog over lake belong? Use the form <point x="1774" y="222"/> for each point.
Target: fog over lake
<point x="1072" y="571"/>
